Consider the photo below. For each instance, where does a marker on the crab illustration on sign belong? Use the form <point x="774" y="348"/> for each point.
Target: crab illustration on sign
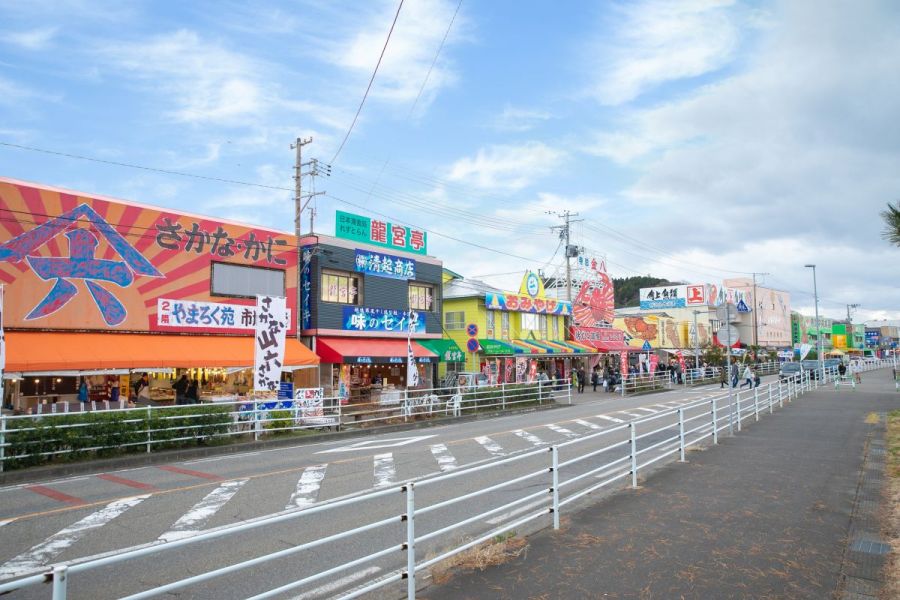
<point x="594" y="306"/>
<point x="81" y="263"/>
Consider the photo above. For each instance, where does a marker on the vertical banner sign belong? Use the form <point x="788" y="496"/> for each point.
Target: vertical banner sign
<point x="623" y="363"/>
<point x="2" y="345"/>
<point x="680" y="356"/>
<point x="654" y="361"/>
<point x="412" y="371"/>
<point x="271" y="326"/>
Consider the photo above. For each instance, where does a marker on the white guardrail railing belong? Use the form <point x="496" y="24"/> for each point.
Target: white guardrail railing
<point x="92" y="430"/>
<point x="570" y="471"/>
<point x="650" y="382"/>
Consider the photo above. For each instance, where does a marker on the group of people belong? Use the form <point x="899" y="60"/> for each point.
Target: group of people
<point x="750" y="376"/>
<point x="855" y="371"/>
<point x="187" y="391"/>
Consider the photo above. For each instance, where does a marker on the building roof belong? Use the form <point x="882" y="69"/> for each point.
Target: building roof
<point x="467" y="288"/>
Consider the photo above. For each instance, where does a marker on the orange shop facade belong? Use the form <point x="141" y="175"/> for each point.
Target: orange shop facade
<point x="102" y="291"/>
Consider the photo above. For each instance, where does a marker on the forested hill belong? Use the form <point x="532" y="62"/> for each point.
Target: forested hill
<point x="627" y="288"/>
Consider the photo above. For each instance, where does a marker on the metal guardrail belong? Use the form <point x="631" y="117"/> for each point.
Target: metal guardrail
<point x="650" y="382"/>
<point x="664" y="435"/>
<point x="26" y="440"/>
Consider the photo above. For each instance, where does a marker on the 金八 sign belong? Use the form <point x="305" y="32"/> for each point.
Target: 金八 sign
<point x="379" y="233"/>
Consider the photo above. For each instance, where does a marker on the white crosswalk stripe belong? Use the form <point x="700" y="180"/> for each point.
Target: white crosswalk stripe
<point x="587" y="424"/>
<point x="308" y="487"/>
<point x="562" y="430"/>
<point x="193" y="520"/>
<point x="43" y="553"/>
<point x="490" y="445"/>
<point x="530" y="437"/>
<point x="649" y="410"/>
<point x="446" y="461"/>
<point x="632" y="415"/>
<point x="608" y="418"/>
<point x="385" y="473"/>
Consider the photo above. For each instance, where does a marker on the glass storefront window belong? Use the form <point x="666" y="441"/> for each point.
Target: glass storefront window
<point x="340" y="287"/>
<point x="421" y="297"/>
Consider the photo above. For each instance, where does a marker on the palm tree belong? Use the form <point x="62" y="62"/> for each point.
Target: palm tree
<point x="891" y="218"/>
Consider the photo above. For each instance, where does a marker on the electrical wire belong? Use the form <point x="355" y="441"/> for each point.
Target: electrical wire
<point x="368" y="87"/>
<point x="433" y="62"/>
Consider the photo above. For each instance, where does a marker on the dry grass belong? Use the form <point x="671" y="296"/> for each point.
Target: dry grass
<point x="490" y="554"/>
<point x="872" y="418"/>
<point x="892" y="567"/>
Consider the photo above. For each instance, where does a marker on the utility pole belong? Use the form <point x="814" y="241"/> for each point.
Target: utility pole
<point x="571" y="251"/>
<point x="849" y="308"/>
<point x="728" y="363"/>
<point x="756" y="306"/>
<point x="298" y="191"/>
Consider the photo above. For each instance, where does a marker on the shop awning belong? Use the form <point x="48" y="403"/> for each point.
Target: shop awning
<point x="498" y="347"/>
<point x="554" y="347"/>
<point x="446" y="350"/>
<point x="579" y="347"/>
<point x="529" y="347"/>
<point x="354" y="350"/>
<point x="615" y="346"/>
<point x="30" y="351"/>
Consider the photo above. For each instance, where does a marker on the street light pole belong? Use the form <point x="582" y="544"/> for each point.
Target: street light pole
<point x="728" y="362"/>
<point x="818" y="328"/>
<point x="696" y="342"/>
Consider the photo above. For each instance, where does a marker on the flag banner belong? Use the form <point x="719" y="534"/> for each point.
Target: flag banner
<point x="412" y="371"/>
<point x="269" y="342"/>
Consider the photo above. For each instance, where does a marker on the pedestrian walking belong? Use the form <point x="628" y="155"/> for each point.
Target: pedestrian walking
<point x="756" y="379"/>
<point x="180" y="388"/>
<point x="842" y="370"/>
<point x="83" y="393"/>
<point x="595" y="378"/>
<point x="748" y="377"/>
<point x="581" y="380"/>
<point x="734" y="375"/>
<point x="856" y="369"/>
<point x="723" y="378"/>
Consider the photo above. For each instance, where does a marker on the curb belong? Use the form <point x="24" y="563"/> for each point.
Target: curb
<point x="34" y="474"/>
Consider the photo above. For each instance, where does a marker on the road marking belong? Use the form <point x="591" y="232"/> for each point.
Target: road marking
<point x="490" y="445"/>
<point x="632" y="415"/>
<point x="608" y="418"/>
<point x="129" y="482"/>
<point x="663" y="406"/>
<point x="337" y="584"/>
<point x="385" y="473"/>
<point x="44" y="552"/>
<point x="530" y="437"/>
<point x="378" y="444"/>
<point x="51" y="493"/>
<point x="649" y="410"/>
<point x="189" y="472"/>
<point x="587" y="424"/>
<point x="215" y="458"/>
<point x="561" y="430"/>
<point x="517" y="511"/>
<point x="446" y="461"/>
<point x="307" y="487"/>
<point x="193" y="520"/>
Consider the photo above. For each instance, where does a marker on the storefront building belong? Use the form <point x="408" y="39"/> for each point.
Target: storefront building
<point x="804" y="331"/>
<point x="100" y="291"/>
<point x="363" y="293"/>
<point x="510" y="336"/>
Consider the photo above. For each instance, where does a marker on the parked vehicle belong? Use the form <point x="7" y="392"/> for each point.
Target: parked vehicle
<point x="789" y="369"/>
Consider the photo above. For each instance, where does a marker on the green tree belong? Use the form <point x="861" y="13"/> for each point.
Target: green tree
<point x="628" y="288"/>
<point x="891" y="216"/>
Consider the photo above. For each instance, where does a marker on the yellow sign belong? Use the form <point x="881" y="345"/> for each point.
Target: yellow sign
<point x="839" y="340"/>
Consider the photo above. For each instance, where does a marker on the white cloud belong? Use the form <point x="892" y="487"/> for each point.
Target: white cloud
<point x="520" y="119"/>
<point x="507" y="168"/>
<point x="658" y="41"/>
<point x="32" y="39"/>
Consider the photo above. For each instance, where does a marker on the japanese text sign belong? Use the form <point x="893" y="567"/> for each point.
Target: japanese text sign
<point x="271" y="326"/>
<point x="518" y="303"/>
<point x="673" y="296"/>
<point x="186" y="315"/>
<point x="385" y="265"/>
<point x="379" y="233"/>
<point x="358" y="318"/>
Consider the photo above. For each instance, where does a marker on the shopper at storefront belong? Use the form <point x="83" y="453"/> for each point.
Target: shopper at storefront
<point x="192" y="394"/>
<point x="581" y="380"/>
<point x="181" y="387"/>
<point x="595" y="378"/>
<point x="83" y="393"/>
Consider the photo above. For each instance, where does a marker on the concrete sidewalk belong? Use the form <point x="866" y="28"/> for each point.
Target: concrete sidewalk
<point x="766" y="514"/>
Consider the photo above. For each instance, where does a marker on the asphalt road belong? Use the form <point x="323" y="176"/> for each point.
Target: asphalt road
<point x="70" y="520"/>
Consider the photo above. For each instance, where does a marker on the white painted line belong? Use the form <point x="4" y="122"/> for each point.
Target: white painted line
<point x="530" y="437"/>
<point x="649" y="410"/>
<point x="516" y="511"/>
<point x="632" y="415"/>
<point x="663" y="406"/>
<point x="307" y="487"/>
<point x="608" y="418"/>
<point x="215" y="458"/>
<point x="337" y="584"/>
<point x="385" y="473"/>
<point x="562" y="430"/>
<point x="47" y="550"/>
<point x="378" y="444"/>
<point x="587" y="424"/>
<point x="490" y="445"/>
<point x="446" y="461"/>
<point x="193" y="520"/>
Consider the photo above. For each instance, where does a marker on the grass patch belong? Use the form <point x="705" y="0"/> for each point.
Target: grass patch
<point x="500" y="550"/>
<point x="872" y="419"/>
<point x="892" y="565"/>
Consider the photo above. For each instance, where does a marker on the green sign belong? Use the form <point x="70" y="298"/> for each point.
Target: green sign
<point x="495" y="347"/>
<point x="379" y="233"/>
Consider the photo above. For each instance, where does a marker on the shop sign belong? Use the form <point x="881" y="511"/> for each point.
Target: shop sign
<point x="595" y="336"/>
<point x="285" y="390"/>
<point x="379" y="233"/>
<point x="271" y="326"/>
<point x="454" y="356"/>
<point x="594" y="306"/>
<point x="872" y="339"/>
<point x="532" y="298"/>
<point x="623" y="363"/>
<point x="306" y="288"/>
<point x="385" y="265"/>
<point x="383" y="360"/>
<point x="360" y="318"/>
<point x="310" y="401"/>
<point x="673" y="296"/>
<point x="680" y="356"/>
<point x="695" y="294"/>
<point x="185" y="315"/>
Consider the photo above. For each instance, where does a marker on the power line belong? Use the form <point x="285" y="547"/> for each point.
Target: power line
<point x="433" y="62"/>
<point x="368" y="87"/>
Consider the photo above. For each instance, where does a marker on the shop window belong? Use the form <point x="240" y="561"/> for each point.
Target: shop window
<point x="243" y="281"/>
<point x="504" y="325"/>
<point x="542" y="321"/>
<point x="529" y="322"/>
<point x="490" y="321"/>
<point x="421" y="297"/>
<point x="455" y="320"/>
<point x="341" y="287"/>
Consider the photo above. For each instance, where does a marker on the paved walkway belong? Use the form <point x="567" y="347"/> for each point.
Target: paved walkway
<point x="767" y="514"/>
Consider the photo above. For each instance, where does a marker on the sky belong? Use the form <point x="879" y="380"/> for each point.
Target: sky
<point x="696" y="140"/>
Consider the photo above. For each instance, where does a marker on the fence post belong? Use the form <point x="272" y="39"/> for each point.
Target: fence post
<point x="770" y="399"/>
<point x="569" y="392"/>
<point x="149" y="433"/>
<point x="410" y="541"/>
<point x="780" y="394"/>
<point x="756" y="402"/>
<point x="715" y="420"/>
<point x="60" y="576"/>
<point x="503" y="394"/>
<point x="633" y="455"/>
<point x="256" y="422"/>
<point x="541" y="392"/>
<point x="739" y="418"/>
<point x="555" y="468"/>
<point x="681" y="431"/>
<point x="2" y="441"/>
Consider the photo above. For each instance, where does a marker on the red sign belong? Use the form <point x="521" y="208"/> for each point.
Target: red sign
<point x="602" y="338"/>
<point x="680" y="360"/>
<point x="654" y="362"/>
<point x="623" y="363"/>
<point x="696" y="294"/>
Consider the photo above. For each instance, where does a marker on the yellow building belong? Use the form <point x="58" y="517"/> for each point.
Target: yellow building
<point x="509" y="335"/>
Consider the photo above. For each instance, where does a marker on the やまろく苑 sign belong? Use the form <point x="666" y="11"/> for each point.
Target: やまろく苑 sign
<point x="379" y="233"/>
<point x="385" y="265"/>
<point x="191" y="315"/>
<point x="358" y="318"/>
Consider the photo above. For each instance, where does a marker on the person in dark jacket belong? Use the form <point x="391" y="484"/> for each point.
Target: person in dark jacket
<point x="180" y="388"/>
<point x="193" y="392"/>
